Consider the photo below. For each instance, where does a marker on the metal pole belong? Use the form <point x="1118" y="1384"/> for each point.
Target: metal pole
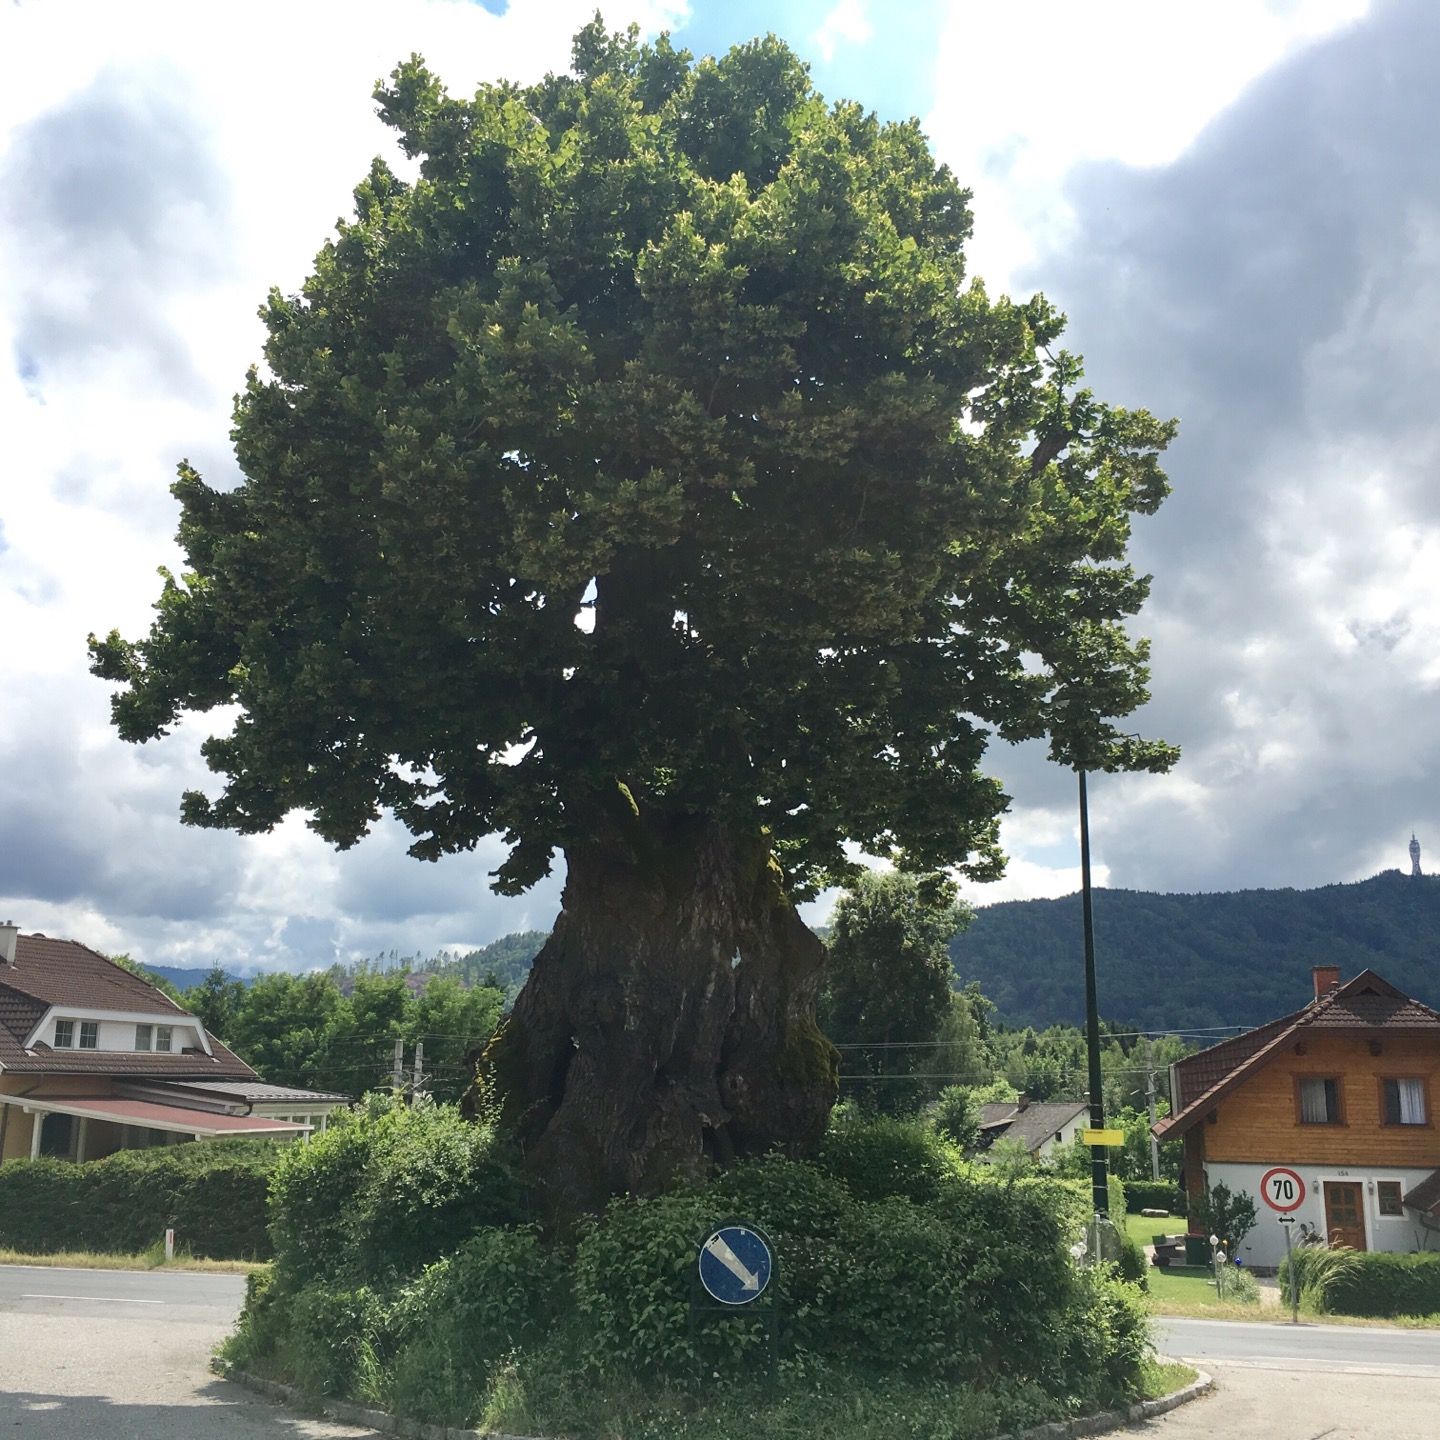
<point x="1294" y="1288"/>
<point x="1150" y="1103"/>
<point x="1099" y="1188"/>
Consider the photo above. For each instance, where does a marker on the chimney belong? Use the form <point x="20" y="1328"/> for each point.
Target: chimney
<point x="1021" y="1102"/>
<point x="1327" y="977"/>
<point x="9" y="934"/>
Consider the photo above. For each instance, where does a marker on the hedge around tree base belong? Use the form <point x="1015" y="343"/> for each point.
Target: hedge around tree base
<point x="211" y="1193"/>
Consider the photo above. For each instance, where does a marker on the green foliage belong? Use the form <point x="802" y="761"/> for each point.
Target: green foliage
<point x="1372" y="1283"/>
<point x="212" y="1194"/>
<point x="387" y="1190"/>
<point x="333" y="1339"/>
<point x="688" y="334"/>
<point x="1236" y="1285"/>
<point x="878" y="1156"/>
<point x="303" y="1030"/>
<point x="1229" y="1215"/>
<point x="885" y="1283"/>
<point x="1154" y="1195"/>
<point x="1238" y="958"/>
<point x="497" y="1293"/>
<point x="887" y="983"/>
<point x="956" y="1116"/>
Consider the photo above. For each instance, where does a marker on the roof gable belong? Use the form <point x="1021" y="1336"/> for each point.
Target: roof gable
<point x="1367" y="1002"/>
<point x="65" y="974"/>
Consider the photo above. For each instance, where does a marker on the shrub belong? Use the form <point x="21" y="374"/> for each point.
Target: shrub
<point x="334" y="1341"/>
<point x="212" y="1194"/>
<point x="1154" y="1195"/>
<point x="1230" y="1215"/>
<point x="1374" y="1283"/>
<point x="499" y="1291"/>
<point x="388" y="1190"/>
<point x="877" y="1156"/>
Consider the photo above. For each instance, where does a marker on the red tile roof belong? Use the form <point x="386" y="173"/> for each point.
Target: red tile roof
<point x="50" y="972"/>
<point x="159" y="1117"/>
<point x="1368" y="1002"/>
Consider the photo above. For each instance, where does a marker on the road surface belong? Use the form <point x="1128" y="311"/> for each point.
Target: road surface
<point x="1306" y="1382"/>
<point x="124" y="1354"/>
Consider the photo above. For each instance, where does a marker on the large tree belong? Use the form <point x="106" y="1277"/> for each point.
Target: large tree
<point x="889" y="983"/>
<point x="646" y="481"/>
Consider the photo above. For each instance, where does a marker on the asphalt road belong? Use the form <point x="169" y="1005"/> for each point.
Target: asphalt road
<point x="125" y="1355"/>
<point x="1338" y="1349"/>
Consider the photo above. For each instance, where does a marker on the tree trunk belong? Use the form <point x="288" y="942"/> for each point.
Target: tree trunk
<point x="668" y="1022"/>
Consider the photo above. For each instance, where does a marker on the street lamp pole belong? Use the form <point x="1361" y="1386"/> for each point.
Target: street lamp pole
<point x="1100" y="1190"/>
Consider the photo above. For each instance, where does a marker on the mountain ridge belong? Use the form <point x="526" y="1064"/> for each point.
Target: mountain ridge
<point x="1195" y="960"/>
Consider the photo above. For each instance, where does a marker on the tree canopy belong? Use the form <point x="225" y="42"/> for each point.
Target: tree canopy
<point x="653" y="442"/>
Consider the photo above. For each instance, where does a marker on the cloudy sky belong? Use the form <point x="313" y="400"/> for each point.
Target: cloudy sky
<point x="1234" y="200"/>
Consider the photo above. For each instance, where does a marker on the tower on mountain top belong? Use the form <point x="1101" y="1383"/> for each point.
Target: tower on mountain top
<point x="1414" y="855"/>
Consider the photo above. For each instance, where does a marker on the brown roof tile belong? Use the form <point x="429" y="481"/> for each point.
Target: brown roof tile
<point x="50" y="972"/>
<point x="1368" y="1002"/>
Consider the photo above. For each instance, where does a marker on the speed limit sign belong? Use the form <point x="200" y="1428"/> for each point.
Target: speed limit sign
<point x="1282" y="1189"/>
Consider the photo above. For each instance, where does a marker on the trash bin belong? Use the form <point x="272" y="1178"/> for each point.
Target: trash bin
<point x="1197" y="1249"/>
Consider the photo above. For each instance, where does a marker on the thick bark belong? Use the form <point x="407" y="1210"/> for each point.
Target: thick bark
<point x="669" y="1020"/>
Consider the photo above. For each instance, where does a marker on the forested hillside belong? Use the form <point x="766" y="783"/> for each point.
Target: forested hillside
<point x="1184" y="961"/>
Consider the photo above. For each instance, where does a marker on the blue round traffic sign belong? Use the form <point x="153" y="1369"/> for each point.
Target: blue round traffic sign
<point x="735" y="1264"/>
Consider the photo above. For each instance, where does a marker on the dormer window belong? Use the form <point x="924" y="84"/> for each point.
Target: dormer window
<point x="89" y="1034"/>
<point x="162" y="1038"/>
<point x="64" y="1034"/>
<point x="144" y="1036"/>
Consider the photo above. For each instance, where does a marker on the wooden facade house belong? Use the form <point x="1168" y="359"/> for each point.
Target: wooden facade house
<point x="1328" y="1114"/>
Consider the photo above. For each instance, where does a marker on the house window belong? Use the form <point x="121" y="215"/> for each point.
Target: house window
<point x="1319" y="1102"/>
<point x="1387" y="1197"/>
<point x="64" y="1034"/>
<point x="143" y="1036"/>
<point x="89" y="1034"/>
<point x="1404" y="1102"/>
<point x="162" y="1037"/>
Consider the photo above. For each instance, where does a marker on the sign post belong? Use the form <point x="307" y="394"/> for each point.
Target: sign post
<point x="1286" y="1223"/>
<point x="735" y="1267"/>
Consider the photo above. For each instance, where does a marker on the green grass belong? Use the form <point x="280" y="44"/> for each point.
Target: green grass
<point x="1159" y="1378"/>
<point x="1143" y="1229"/>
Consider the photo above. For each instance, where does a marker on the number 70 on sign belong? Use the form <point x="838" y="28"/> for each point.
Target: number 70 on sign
<point x="1282" y="1189"/>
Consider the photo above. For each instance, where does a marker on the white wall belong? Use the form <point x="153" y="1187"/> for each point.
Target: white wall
<point x="119" y="1034"/>
<point x="1069" y="1135"/>
<point x="1265" y="1245"/>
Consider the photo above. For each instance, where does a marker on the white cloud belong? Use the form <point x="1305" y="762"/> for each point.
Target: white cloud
<point x="847" y="24"/>
<point x="1027" y="91"/>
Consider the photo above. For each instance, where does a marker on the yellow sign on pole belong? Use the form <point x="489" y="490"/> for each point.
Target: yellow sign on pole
<point x="1103" y="1137"/>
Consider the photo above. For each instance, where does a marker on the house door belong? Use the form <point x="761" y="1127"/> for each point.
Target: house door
<point x="1345" y="1214"/>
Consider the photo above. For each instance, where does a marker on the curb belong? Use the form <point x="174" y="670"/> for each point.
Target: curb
<point x="388" y="1424"/>
<point x="1109" y="1420"/>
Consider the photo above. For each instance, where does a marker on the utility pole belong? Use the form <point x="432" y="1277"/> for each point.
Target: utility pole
<point x="397" y="1075"/>
<point x="1150" y="1103"/>
<point x="1099" y="1186"/>
<point x="419" y="1072"/>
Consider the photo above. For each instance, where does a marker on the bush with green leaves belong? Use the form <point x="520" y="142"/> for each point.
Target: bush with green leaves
<point x="1372" y="1283"/>
<point x="956" y="1117"/>
<point x="897" y="1265"/>
<point x="1226" y="1213"/>
<point x="1155" y="1195"/>
<point x="212" y="1194"/>
<point x="387" y="1190"/>
<point x="498" y="1292"/>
